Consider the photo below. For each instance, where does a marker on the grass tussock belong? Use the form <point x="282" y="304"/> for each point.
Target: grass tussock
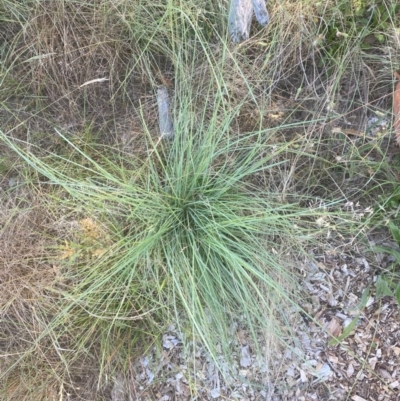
<point x="111" y="235"/>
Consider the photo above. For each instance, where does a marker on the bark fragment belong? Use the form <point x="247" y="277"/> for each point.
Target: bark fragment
<point x="240" y="15"/>
<point x="164" y="114"/>
<point x="396" y="109"/>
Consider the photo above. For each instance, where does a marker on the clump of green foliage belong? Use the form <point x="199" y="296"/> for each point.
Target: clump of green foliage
<point x="360" y="23"/>
<point x="388" y="282"/>
<point x="192" y="240"/>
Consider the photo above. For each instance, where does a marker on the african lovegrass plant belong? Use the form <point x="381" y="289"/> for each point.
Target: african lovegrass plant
<point x="187" y="236"/>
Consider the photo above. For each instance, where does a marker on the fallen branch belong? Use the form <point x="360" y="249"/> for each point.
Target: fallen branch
<point x="260" y="10"/>
<point x="240" y="15"/>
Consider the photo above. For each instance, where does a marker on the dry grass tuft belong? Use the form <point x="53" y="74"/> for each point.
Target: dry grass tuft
<point x="25" y="238"/>
<point x="37" y="363"/>
<point x="67" y="44"/>
<point x="26" y="275"/>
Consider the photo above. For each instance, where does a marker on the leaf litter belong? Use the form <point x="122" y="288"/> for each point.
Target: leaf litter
<point x="362" y="365"/>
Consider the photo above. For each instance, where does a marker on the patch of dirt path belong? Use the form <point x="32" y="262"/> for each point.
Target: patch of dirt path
<point x="363" y="366"/>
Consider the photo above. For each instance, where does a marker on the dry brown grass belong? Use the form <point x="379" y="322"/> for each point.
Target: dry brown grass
<point x="26" y="276"/>
<point x="56" y="49"/>
<point x="24" y="240"/>
<point x="36" y="363"/>
<point x="45" y="352"/>
<point x="67" y="44"/>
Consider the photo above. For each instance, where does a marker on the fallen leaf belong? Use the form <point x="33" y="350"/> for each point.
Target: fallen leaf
<point x="245" y="360"/>
<point x="170" y="342"/>
<point x="369" y="302"/>
<point x="323" y="372"/>
<point x="372" y="362"/>
<point x="396" y="109"/>
<point x="350" y="370"/>
<point x="150" y="375"/>
<point x="333" y="359"/>
<point x="334" y="327"/>
<point x="357" y="398"/>
<point x="303" y="376"/>
<point x="385" y="374"/>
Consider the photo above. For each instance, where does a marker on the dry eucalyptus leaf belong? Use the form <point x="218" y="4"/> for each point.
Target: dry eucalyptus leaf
<point x="358" y="398"/>
<point x="350" y="370"/>
<point x="385" y="374"/>
<point x="372" y="362"/>
<point x="334" y="327"/>
<point x="245" y="359"/>
<point x="303" y="376"/>
<point x="323" y="373"/>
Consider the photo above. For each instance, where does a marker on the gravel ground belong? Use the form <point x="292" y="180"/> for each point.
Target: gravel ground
<point x="362" y="364"/>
